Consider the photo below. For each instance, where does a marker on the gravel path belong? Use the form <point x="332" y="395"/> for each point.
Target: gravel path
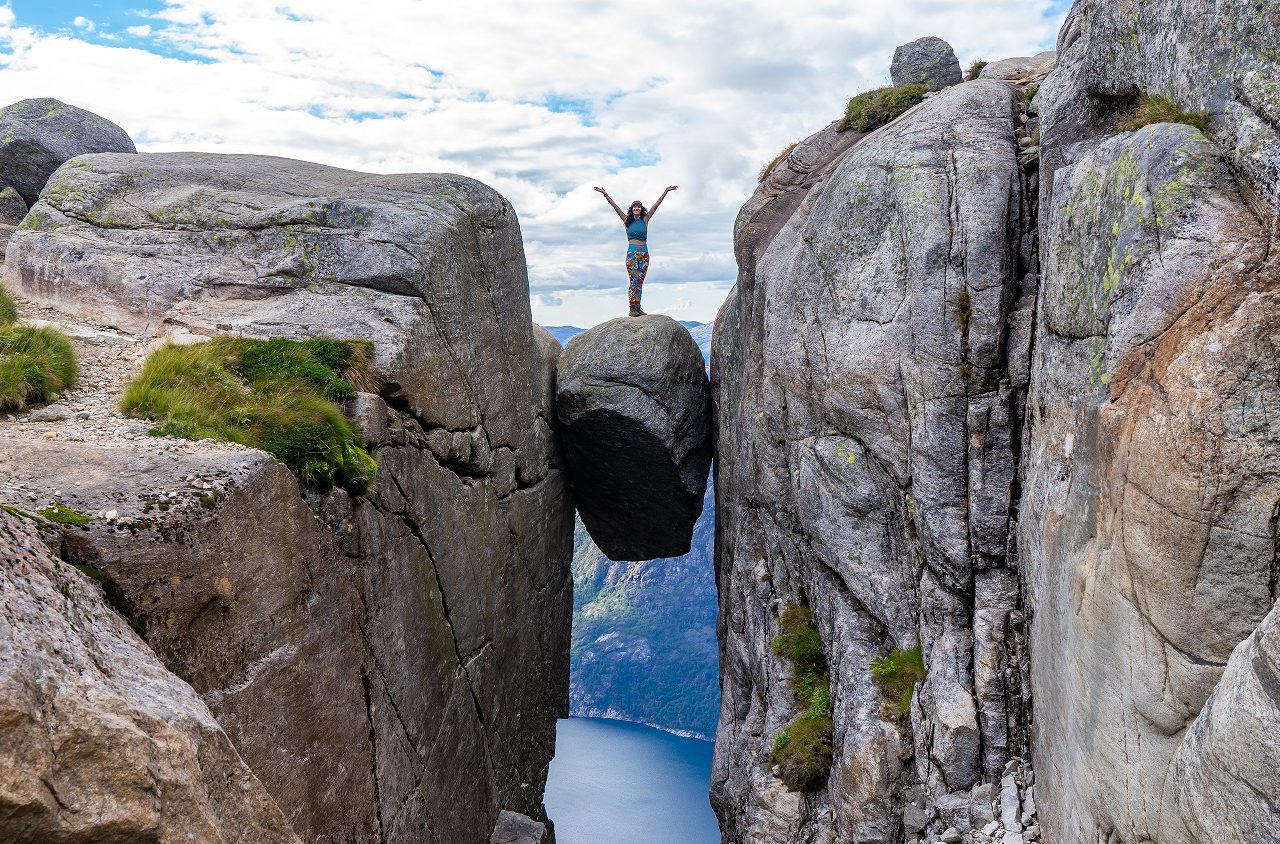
<point x="89" y="413"/>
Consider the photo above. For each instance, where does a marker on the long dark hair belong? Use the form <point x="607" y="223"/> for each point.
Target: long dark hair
<point x="631" y="216"/>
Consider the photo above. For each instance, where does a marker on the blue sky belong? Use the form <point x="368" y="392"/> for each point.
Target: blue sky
<point x="541" y="101"/>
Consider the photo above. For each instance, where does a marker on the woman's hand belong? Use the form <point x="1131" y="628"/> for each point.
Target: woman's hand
<point x="670" y="188"/>
<point x="603" y="191"/>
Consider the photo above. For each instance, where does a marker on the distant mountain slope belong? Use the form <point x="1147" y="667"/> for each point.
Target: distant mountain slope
<point x="644" y="634"/>
<point x="564" y="333"/>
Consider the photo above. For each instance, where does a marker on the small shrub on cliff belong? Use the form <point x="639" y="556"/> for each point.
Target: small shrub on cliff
<point x="802" y="751"/>
<point x="897" y="675"/>
<point x="777" y="159"/>
<point x="35" y="363"/>
<point x="277" y="395"/>
<point x="873" y="109"/>
<point x="1157" y="109"/>
<point x="975" y="69"/>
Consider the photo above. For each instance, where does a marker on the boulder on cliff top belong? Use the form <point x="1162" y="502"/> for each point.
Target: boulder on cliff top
<point x="633" y="403"/>
<point x="929" y="60"/>
<point x="1021" y="68"/>
<point x="38" y="136"/>
<point x="101" y="742"/>
<point x="171" y="242"/>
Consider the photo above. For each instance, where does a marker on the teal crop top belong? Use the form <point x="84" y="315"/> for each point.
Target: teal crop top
<point x="638" y="229"/>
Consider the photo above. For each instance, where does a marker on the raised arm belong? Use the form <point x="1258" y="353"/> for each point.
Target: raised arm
<point x="609" y="199"/>
<point x="654" y="209"/>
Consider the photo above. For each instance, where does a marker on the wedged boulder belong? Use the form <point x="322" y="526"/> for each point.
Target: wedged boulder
<point x="865" y="455"/>
<point x="633" y="404"/>
<point x="100" y="742"/>
<point x="513" y="828"/>
<point x="37" y="136"/>
<point x="391" y="666"/>
<point x="929" y="60"/>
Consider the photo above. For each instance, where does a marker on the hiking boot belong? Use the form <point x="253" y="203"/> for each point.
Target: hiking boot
<point x="635" y="310"/>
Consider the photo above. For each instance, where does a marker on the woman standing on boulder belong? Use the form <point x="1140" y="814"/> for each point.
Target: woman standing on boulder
<point x="636" y="221"/>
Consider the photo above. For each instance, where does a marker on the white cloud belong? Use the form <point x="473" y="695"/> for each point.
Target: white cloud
<point x="81" y="22"/>
<point x="547" y="300"/>
<point x="541" y="102"/>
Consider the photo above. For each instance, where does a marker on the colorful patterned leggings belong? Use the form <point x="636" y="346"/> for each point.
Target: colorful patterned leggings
<point x="637" y="266"/>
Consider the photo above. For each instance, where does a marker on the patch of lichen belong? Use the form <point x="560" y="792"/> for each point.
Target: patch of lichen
<point x="277" y="395"/>
<point x="872" y="109"/>
<point x="802" y="750"/>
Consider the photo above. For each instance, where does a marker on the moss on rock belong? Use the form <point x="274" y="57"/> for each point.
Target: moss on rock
<point x="802" y="751"/>
<point x="277" y="395"/>
<point x="872" y="109"/>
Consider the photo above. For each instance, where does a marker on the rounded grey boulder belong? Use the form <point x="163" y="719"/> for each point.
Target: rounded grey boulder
<point x="929" y="60"/>
<point x="633" y="403"/>
<point x="38" y="136"/>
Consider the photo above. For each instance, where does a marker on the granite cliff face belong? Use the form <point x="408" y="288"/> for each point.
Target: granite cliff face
<point x="389" y="666"/>
<point x="1148" y="528"/>
<point x="996" y="379"/>
<point x="101" y="742"/>
<point x="867" y="427"/>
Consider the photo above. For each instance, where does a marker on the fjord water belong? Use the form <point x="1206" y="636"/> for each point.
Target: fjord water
<point x="613" y="782"/>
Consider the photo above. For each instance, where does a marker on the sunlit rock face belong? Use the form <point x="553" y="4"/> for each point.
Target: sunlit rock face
<point x="1147" y="526"/>
<point x="38" y="135"/>
<point x="390" y="666"/>
<point x="952" y="397"/>
<point x="633" y="404"/>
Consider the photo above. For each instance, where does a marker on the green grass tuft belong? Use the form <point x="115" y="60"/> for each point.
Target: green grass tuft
<point x="35" y="364"/>
<point x="61" y="515"/>
<point x="276" y="395"/>
<point x="777" y="159"/>
<point x="1157" y="109"/>
<point x="897" y="675"/>
<point x="873" y="109"/>
<point x="8" y="310"/>
<point x="1029" y="93"/>
<point x="975" y="69"/>
<point x="802" y="751"/>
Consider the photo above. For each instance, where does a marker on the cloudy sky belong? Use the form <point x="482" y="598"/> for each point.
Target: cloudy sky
<point x="540" y="100"/>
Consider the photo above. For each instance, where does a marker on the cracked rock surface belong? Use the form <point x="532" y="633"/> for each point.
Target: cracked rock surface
<point x="866" y="451"/>
<point x="101" y="742"/>
<point x="1150" y="479"/>
<point x="391" y="667"/>
<point x="1064" y="483"/>
<point x="633" y="406"/>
